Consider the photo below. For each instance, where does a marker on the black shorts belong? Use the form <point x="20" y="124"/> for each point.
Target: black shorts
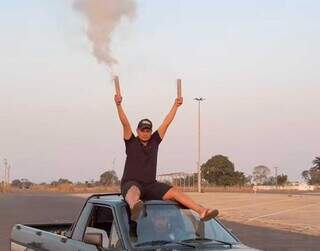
<point x="150" y="191"/>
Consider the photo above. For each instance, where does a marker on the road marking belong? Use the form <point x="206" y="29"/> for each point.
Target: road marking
<point x="258" y="204"/>
<point x="231" y="201"/>
<point x="283" y="211"/>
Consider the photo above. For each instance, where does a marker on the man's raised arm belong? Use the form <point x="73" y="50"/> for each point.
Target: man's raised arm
<point x="127" y="132"/>
<point x="168" y="119"/>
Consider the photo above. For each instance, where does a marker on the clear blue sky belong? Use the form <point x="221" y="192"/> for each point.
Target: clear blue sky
<point x="255" y="62"/>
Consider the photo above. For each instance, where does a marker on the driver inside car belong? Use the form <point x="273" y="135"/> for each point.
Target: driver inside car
<point x="158" y="225"/>
<point x="161" y="226"/>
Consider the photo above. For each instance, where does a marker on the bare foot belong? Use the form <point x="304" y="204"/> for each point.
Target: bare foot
<point x="136" y="209"/>
<point x="209" y="214"/>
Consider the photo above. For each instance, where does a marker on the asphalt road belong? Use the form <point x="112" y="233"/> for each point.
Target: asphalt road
<point x="51" y="208"/>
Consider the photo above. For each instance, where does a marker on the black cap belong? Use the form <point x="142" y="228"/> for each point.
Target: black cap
<point x="145" y="123"/>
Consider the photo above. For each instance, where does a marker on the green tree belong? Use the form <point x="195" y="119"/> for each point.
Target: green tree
<point x="312" y="176"/>
<point x="109" y="178"/>
<point x="269" y="181"/>
<point x="316" y="163"/>
<point x="60" y="182"/>
<point x="219" y="170"/>
<point x="306" y="175"/>
<point x="25" y="183"/>
<point x="260" y="174"/>
<point x="248" y="180"/>
<point x="239" y="178"/>
<point x="282" y="179"/>
<point x="64" y="181"/>
<point x="16" y="183"/>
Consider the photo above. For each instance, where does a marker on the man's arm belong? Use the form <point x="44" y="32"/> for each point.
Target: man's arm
<point x="168" y="119"/>
<point x="127" y="132"/>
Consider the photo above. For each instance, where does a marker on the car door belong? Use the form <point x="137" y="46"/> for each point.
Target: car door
<point x="102" y="220"/>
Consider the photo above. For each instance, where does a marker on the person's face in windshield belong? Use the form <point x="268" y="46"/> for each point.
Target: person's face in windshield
<point x="160" y="223"/>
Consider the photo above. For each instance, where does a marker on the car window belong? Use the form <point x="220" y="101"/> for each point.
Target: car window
<point x="102" y="221"/>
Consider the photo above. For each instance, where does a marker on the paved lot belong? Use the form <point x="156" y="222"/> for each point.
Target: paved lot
<point x="297" y="213"/>
<point x="50" y="208"/>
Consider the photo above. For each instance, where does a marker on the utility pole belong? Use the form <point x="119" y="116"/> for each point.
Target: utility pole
<point x="2" y="183"/>
<point x="199" y="142"/>
<point x="6" y="175"/>
<point x="276" y="175"/>
<point x="113" y="164"/>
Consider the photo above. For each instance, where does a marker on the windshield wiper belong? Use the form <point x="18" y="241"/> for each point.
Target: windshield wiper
<point x="208" y="240"/>
<point x="162" y="242"/>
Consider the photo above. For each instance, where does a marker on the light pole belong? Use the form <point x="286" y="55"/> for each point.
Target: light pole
<point x="199" y="142"/>
<point x="6" y="180"/>
<point x="113" y="164"/>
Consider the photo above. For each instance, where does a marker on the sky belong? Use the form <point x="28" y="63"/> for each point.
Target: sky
<point x="256" y="63"/>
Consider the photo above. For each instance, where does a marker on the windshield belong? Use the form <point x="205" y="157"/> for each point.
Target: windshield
<point x="169" y="222"/>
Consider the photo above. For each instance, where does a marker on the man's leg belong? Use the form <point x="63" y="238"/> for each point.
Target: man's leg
<point x="132" y="193"/>
<point x="176" y="195"/>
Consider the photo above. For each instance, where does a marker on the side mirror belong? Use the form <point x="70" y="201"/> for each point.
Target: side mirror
<point x="93" y="238"/>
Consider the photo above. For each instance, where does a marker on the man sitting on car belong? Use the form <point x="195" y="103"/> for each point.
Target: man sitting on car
<point x="139" y="177"/>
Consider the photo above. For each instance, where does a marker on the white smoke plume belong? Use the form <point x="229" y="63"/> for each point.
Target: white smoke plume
<point x="102" y="17"/>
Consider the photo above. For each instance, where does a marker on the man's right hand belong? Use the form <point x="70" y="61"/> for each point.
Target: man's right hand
<point x="117" y="99"/>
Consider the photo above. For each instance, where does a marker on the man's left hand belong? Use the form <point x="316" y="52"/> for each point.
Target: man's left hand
<point x="179" y="101"/>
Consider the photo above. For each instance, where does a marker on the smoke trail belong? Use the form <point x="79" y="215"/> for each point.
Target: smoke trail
<point x="102" y="18"/>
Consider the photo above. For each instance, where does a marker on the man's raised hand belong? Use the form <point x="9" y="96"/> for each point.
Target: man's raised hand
<point x="117" y="99"/>
<point x="178" y="101"/>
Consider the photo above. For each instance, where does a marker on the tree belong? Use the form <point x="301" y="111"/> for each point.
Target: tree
<point x="54" y="183"/>
<point x="60" y="182"/>
<point x="306" y="176"/>
<point x="282" y="179"/>
<point x="16" y="183"/>
<point x="219" y="170"/>
<point x="260" y="174"/>
<point x="316" y="163"/>
<point x="25" y="183"/>
<point x="249" y="180"/>
<point x="239" y="178"/>
<point x="312" y="176"/>
<point x="269" y="181"/>
<point x="109" y="178"/>
<point x="64" y="181"/>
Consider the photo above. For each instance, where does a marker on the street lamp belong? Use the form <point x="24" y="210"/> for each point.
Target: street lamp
<point x="199" y="134"/>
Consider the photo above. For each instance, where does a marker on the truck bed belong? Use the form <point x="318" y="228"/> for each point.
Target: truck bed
<point x="46" y="237"/>
<point x="59" y="229"/>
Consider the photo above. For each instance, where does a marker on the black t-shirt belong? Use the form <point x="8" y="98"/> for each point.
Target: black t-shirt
<point x="141" y="162"/>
